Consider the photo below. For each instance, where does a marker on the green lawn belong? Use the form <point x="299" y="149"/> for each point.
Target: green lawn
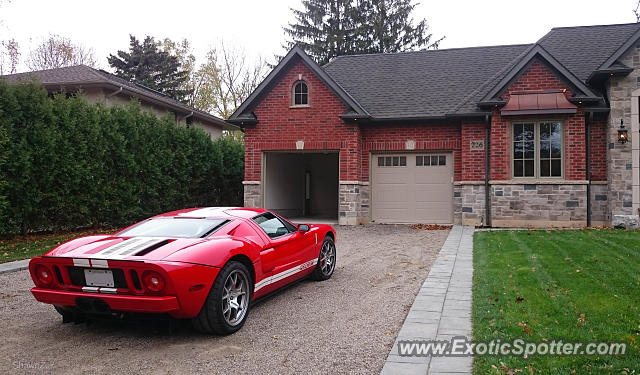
<point x="574" y="285"/>
<point x="24" y="247"/>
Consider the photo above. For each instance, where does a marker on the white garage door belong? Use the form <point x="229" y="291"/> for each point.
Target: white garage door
<point x="412" y="188"/>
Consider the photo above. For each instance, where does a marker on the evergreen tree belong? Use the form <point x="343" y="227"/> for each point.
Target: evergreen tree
<point x="387" y="26"/>
<point x="149" y="65"/>
<point x="324" y="29"/>
<point x="329" y="28"/>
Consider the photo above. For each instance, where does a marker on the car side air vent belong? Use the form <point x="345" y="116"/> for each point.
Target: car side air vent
<point x="151" y="248"/>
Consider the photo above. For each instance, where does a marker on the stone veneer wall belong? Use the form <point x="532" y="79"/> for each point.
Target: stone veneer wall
<point x="600" y="215"/>
<point x="354" y="204"/>
<point x="619" y="156"/>
<point x="469" y="203"/>
<point x="539" y="205"/>
<point x="253" y="195"/>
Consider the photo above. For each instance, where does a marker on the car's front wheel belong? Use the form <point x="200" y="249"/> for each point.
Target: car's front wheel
<point x="227" y="306"/>
<point x="326" y="260"/>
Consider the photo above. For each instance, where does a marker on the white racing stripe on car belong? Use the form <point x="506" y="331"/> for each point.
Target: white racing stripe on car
<point x="81" y="262"/>
<point x="127" y="248"/>
<point x="284" y="274"/>
<point x="99" y="263"/>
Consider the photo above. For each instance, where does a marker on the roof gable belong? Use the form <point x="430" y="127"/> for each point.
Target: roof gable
<point x="244" y="113"/>
<point x="536" y="52"/>
<point x="584" y="49"/>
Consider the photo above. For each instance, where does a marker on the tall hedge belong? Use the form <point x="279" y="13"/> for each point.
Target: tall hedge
<point x="65" y="163"/>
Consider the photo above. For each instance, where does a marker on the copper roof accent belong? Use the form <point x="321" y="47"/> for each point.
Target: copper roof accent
<point x="538" y="103"/>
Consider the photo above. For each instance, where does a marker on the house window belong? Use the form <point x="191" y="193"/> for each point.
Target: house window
<point x="429" y="160"/>
<point x="392" y="161"/>
<point x="300" y="93"/>
<point x="537" y="149"/>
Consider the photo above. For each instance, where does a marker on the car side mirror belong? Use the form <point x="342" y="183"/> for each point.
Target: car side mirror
<point x="303" y="228"/>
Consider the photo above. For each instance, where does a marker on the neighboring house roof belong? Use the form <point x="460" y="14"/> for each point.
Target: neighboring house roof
<point x="454" y="82"/>
<point x="79" y="76"/>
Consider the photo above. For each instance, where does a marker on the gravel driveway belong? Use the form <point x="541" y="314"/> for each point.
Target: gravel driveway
<point x="344" y="325"/>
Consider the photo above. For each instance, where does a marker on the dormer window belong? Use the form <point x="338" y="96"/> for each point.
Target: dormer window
<point x="300" y="93"/>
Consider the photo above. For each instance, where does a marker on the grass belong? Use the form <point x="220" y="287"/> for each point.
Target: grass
<point x="577" y="285"/>
<point x="24" y="247"/>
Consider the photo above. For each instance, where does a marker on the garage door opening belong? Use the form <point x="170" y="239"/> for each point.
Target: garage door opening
<point x="302" y="185"/>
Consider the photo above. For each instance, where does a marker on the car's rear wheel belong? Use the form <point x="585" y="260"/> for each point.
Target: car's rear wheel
<point x="326" y="260"/>
<point x="227" y="305"/>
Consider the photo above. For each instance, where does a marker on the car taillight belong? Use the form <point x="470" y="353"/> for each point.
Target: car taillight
<point x="44" y="274"/>
<point x="153" y="281"/>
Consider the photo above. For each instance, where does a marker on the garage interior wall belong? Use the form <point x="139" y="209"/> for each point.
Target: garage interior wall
<point x="284" y="184"/>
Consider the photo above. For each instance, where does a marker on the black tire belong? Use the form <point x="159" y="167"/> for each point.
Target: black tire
<point x="324" y="270"/>
<point x="216" y="315"/>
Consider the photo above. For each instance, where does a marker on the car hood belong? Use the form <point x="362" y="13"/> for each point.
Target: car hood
<point x="125" y="248"/>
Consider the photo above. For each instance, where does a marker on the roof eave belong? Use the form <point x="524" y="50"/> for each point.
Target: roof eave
<point x="139" y="94"/>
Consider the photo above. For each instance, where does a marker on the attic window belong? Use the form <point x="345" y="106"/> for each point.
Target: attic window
<point x="300" y="93"/>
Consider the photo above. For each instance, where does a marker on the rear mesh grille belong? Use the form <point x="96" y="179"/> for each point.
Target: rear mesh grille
<point x="135" y="279"/>
<point x="56" y="269"/>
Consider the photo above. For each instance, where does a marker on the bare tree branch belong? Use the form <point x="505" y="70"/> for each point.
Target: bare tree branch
<point x="58" y="52"/>
<point x="9" y="56"/>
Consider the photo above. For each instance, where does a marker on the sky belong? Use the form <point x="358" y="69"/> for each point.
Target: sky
<point x="256" y="25"/>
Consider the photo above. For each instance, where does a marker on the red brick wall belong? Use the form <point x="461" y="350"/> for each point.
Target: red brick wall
<point x="536" y="77"/>
<point x="321" y="128"/>
<point x="377" y="138"/>
<point x="472" y="160"/>
<point x="539" y="77"/>
<point x="598" y="160"/>
<point x="319" y="125"/>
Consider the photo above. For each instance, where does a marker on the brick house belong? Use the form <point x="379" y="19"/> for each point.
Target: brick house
<point x="409" y="137"/>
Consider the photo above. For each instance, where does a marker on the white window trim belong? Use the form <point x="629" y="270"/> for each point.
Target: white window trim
<point x="293" y="95"/>
<point x="536" y="153"/>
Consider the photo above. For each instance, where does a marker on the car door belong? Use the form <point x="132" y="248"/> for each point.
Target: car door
<point x="288" y="247"/>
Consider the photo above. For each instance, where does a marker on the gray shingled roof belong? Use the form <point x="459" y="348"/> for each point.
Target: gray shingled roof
<point x="451" y="81"/>
<point x="79" y="75"/>
<point x="583" y="49"/>
<point x="419" y="84"/>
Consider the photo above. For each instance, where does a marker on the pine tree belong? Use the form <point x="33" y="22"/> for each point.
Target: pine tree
<point x="329" y="28"/>
<point x="147" y="64"/>
<point x="387" y="26"/>
<point x="324" y="29"/>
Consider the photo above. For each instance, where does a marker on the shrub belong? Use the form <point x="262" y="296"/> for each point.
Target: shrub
<point x="66" y="164"/>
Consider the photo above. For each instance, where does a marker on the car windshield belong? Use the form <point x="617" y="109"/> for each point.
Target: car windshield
<point x="174" y="227"/>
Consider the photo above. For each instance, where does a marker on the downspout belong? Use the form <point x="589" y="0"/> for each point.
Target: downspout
<point x="587" y="124"/>
<point x="106" y="98"/>
<point x="118" y="91"/>
<point x="487" y="172"/>
<point x="185" y="119"/>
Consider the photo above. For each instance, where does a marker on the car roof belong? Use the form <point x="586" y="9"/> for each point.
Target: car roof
<point x="220" y="212"/>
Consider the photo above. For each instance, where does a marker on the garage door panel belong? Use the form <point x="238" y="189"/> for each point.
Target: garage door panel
<point x="415" y="192"/>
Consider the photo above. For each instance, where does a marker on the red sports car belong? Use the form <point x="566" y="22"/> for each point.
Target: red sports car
<point x="205" y="264"/>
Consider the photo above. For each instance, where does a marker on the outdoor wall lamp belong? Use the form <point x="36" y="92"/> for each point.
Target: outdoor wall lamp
<point x="623" y="137"/>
